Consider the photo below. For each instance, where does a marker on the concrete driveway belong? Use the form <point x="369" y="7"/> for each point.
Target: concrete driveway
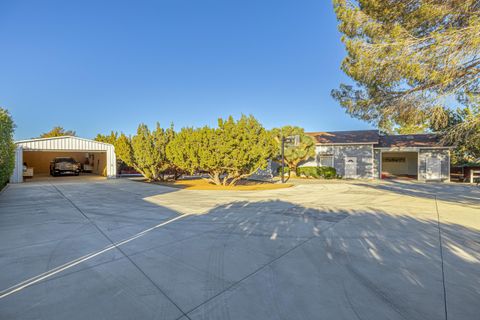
<point x="120" y="249"/>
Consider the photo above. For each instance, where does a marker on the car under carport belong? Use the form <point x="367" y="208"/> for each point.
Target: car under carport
<point x="33" y="157"/>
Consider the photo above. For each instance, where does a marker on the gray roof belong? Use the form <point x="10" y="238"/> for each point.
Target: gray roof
<point x="411" y="140"/>
<point x="426" y="140"/>
<point x="345" y="137"/>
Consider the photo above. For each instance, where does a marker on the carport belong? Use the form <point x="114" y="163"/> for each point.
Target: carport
<point x="400" y="164"/>
<point x="96" y="157"/>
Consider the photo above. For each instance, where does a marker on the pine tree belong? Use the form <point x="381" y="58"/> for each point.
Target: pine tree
<point x="228" y="153"/>
<point x="409" y="59"/>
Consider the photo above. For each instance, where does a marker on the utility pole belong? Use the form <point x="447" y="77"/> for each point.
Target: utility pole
<point x="293" y="140"/>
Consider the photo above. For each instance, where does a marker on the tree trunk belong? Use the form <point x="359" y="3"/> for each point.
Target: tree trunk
<point x="224" y="181"/>
<point x="292" y="172"/>
<point x="234" y="181"/>
<point x="215" y="178"/>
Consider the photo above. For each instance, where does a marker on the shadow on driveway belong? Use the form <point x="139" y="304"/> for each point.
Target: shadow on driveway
<point x="242" y="260"/>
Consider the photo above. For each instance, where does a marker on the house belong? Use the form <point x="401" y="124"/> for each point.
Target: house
<point x="33" y="156"/>
<point x="368" y="154"/>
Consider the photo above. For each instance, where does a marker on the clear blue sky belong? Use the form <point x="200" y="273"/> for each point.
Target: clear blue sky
<point x="96" y="66"/>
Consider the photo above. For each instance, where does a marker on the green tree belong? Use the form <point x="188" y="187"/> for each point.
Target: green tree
<point x="124" y="150"/>
<point x="111" y="138"/>
<point x="408" y="59"/>
<point x="228" y="153"/>
<point x="463" y="131"/>
<point x="410" y="128"/>
<point x="294" y="155"/>
<point x="245" y="146"/>
<point x="184" y="149"/>
<point x="146" y="151"/>
<point x="57" y="132"/>
<point x="7" y="147"/>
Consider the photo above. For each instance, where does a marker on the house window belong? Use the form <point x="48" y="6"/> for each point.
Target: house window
<point x="325" y="160"/>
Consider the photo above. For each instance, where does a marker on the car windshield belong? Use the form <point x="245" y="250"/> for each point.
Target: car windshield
<point x="65" y="160"/>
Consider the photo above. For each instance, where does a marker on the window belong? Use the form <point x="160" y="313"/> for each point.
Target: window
<point x="394" y="159"/>
<point x="325" y="160"/>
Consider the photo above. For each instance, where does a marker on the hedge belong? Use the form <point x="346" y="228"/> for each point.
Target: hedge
<point x="317" y="172"/>
<point x="7" y="147"/>
<point x="286" y="170"/>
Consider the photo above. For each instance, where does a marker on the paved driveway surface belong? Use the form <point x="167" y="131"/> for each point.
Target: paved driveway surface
<point x="120" y="249"/>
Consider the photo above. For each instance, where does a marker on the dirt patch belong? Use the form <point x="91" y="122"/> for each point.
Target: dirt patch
<point x="243" y="185"/>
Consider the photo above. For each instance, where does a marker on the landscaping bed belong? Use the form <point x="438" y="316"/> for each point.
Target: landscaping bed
<point x="242" y="185"/>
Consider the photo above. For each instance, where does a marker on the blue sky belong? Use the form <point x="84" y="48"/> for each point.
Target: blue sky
<point x="96" y="66"/>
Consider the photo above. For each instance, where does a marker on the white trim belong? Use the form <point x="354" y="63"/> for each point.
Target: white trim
<point x="373" y="164"/>
<point x="449" y="164"/>
<point x="67" y="150"/>
<point x="380" y="171"/>
<point x="412" y="149"/>
<point x="61" y="137"/>
<point x="17" y="175"/>
<point x="418" y="165"/>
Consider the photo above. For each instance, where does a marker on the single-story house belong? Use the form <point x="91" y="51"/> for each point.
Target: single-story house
<point x="33" y="156"/>
<point x="369" y="154"/>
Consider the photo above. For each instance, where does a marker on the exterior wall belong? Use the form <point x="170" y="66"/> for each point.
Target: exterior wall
<point x="442" y="154"/>
<point x="377" y="163"/>
<point x="409" y="167"/>
<point x="314" y="162"/>
<point x="17" y="175"/>
<point x="111" y="163"/>
<point x="364" y="155"/>
<point x="100" y="164"/>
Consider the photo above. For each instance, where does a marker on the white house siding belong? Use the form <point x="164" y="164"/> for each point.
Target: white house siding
<point x="17" y="175"/>
<point x="442" y="154"/>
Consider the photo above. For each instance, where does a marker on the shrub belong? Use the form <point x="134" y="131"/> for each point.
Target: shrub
<point x="7" y="147"/>
<point x="328" y="172"/>
<point x="309" y="172"/>
<point x="286" y="169"/>
<point x="317" y="172"/>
